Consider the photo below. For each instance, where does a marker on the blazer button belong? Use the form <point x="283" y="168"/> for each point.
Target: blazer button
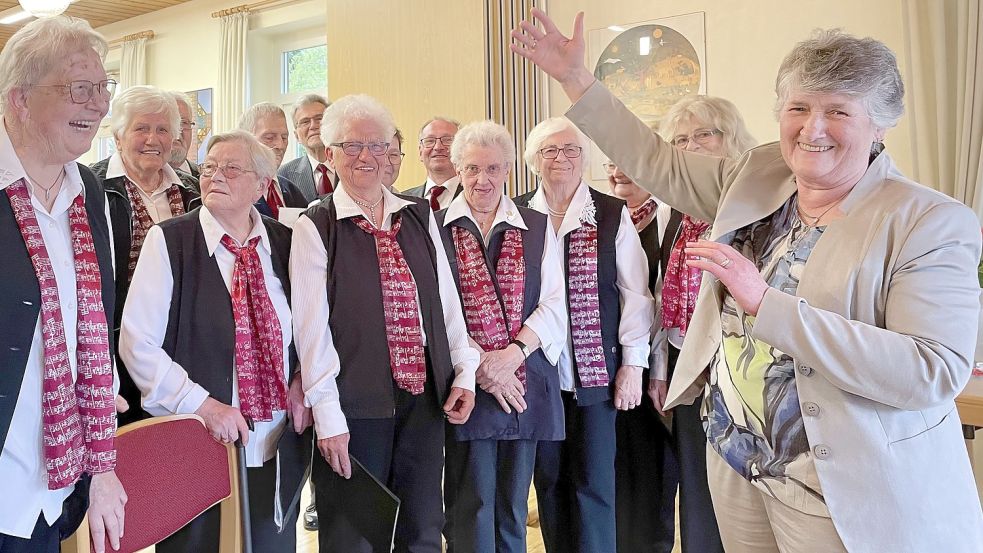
<point x="821" y="451"/>
<point x="614" y="349"/>
<point x="805" y="371"/>
<point x="810" y="408"/>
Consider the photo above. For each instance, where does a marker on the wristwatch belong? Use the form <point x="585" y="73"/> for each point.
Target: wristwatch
<point x="523" y="348"/>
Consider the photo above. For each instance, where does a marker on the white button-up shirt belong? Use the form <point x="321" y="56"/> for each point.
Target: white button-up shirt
<point x="549" y="319"/>
<point x="157" y="202"/>
<point x="25" y="480"/>
<point x="319" y="359"/>
<point x="447" y="196"/>
<point x="637" y="304"/>
<point x="165" y="386"/>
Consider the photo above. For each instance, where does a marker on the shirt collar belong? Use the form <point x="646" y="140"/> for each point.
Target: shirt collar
<point x="575" y="211"/>
<point x="115" y="168"/>
<point x="214" y="231"/>
<point x="507" y="213"/>
<point x="451" y="184"/>
<point x="345" y="206"/>
<point x="314" y="163"/>
<point x="12" y="171"/>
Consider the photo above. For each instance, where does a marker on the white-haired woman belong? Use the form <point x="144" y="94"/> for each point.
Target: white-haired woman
<point x="142" y="189"/>
<point x="56" y="394"/>
<point x="840" y="318"/>
<point x="207" y="330"/>
<point x="611" y="311"/>
<point x="382" y="342"/>
<point x="507" y="267"/>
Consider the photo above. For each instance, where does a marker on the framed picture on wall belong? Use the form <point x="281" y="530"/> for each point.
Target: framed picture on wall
<point x="201" y="113"/>
<point x="649" y="66"/>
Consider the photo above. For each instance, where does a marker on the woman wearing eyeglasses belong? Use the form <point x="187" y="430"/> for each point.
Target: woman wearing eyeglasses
<point x="506" y="265"/>
<point x="611" y="313"/>
<point x="380" y="333"/>
<point x="207" y="330"/>
<point x="143" y="190"/>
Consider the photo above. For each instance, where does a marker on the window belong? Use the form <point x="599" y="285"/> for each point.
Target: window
<point x="304" y="69"/>
<point x="105" y="147"/>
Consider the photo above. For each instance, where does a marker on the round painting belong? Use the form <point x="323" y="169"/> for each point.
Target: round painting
<point x="649" y="68"/>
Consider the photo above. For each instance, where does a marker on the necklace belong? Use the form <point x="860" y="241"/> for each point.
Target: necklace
<point x="555" y="213"/>
<point x="370" y="207"/>
<point x="47" y="190"/>
<point x="815" y="218"/>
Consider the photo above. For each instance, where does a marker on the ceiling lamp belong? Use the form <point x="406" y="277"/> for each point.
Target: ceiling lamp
<point x="45" y="8"/>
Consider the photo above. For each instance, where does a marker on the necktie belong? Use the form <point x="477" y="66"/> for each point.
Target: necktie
<point x="435" y="193"/>
<point x="323" y="182"/>
<point x="273" y="199"/>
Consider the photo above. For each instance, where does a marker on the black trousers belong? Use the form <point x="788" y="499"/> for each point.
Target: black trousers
<point x="407" y="453"/>
<point x="44" y="539"/>
<point x="202" y="534"/>
<point x="575" y="481"/>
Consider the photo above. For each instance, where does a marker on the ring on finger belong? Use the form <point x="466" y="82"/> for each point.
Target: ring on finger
<point x="727" y="261"/>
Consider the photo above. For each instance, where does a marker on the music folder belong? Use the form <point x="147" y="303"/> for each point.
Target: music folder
<point x="370" y="507"/>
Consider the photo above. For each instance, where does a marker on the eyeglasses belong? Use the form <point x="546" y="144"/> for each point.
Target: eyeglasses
<point x="306" y="122"/>
<point x="230" y="170"/>
<point x="81" y="91"/>
<point x="430" y="141"/>
<point x="186" y="124"/>
<point x="700" y="136"/>
<point x="395" y="157"/>
<point x="609" y="166"/>
<point x="492" y="171"/>
<point x="570" y="152"/>
<point x="355" y="148"/>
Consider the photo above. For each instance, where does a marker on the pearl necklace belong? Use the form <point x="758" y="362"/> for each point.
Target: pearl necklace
<point x="370" y="207"/>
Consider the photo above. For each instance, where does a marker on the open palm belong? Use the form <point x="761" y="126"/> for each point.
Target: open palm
<point x="558" y="56"/>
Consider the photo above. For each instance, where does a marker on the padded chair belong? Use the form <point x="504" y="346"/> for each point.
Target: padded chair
<point x="172" y="471"/>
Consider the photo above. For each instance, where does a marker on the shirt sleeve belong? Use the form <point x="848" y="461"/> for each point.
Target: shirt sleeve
<point x="464" y="357"/>
<point x="164" y="385"/>
<point x="549" y="319"/>
<point x="319" y="361"/>
<point x="637" y="304"/>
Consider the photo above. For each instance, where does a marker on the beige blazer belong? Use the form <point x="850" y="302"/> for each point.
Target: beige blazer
<point x="882" y="330"/>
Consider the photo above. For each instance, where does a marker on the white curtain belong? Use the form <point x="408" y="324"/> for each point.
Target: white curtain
<point x="133" y="63"/>
<point x="231" y="93"/>
<point x="946" y="96"/>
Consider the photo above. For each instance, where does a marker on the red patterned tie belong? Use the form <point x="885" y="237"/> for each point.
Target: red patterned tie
<point x="643" y="211"/>
<point x="482" y="309"/>
<point x="585" y="307"/>
<point x="259" y="338"/>
<point x="435" y="193"/>
<point x="273" y="199"/>
<point x="323" y="182"/>
<point x="403" y="333"/>
<point x="682" y="282"/>
<point x="78" y="419"/>
<point x="142" y="220"/>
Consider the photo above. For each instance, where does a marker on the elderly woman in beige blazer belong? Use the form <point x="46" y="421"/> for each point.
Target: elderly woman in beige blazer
<point x="837" y="314"/>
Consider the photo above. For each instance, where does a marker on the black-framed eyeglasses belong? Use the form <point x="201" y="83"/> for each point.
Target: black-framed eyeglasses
<point x="81" y="91"/>
<point x="395" y="157"/>
<point x="431" y="141"/>
<point x="570" y="152"/>
<point x="700" y="136"/>
<point x="307" y="121"/>
<point x="230" y="170"/>
<point x="355" y="148"/>
<point x="492" y="171"/>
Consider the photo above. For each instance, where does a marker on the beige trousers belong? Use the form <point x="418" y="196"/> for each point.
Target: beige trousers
<point x="753" y="522"/>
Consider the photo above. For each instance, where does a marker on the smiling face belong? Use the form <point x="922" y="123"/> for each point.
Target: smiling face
<point x="826" y="138"/>
<point x="484" y="190"/>
<point x="61" y="129"/>
<point x="231" y="197"/>
<point x="272" y="131"/>
<point x="437" y="159"/>
<point x="146" y="144"/>
<point x="689" y="126"/>
<point x="623" y="187"/>
<point x="561" y="171"/>
<point x="362" y="172"/>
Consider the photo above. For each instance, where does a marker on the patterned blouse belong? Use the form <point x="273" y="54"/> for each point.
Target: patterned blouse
<point x="752" y="415"/>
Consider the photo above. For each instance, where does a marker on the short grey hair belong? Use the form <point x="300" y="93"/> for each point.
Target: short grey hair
<point x="423" y="127"/>
<point x="547" y="128"/>
<point x="718" y="113"/>
<point x="258" y="111"/>
<point x="832" y="61"/>
<point x="42" y="46"/>
<point x="304" y="100"/>
<point x="142" y="99"/>
<point x="484" y="134"/>
<point x="262" y="158"/>
<point x="182" y="98"/>
<point x="352" y="108"/>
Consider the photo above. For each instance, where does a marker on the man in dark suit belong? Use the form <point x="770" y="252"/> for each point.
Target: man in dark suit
<point x="182" y="143"/>
<point x="268" y="123"/>
<point x="443" y="183"/>
<point x="310" y="173"/>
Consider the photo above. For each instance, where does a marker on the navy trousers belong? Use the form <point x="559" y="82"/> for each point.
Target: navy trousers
<point x="202" y="534"/>
<point x="44" y="539"/>
<point x="407" y="453"/>
<point x="575" y="481"/>
<point x="491" y="499"/>
<point x="647" y="477"/>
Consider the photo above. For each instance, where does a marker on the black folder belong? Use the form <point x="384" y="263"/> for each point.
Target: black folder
<point x="371" y="508"/>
